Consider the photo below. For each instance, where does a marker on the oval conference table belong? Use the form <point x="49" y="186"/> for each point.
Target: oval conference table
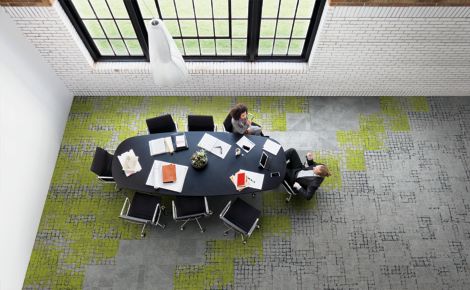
<point x="214" y="179"/>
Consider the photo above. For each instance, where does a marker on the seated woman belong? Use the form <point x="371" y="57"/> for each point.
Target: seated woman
<point x="305" y="180"/>
<point x="240" y="121"/>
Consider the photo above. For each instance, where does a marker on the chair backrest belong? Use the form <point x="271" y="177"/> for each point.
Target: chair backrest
<point x="200" y="123"/>
<point x="161" y="124"/>
<point x="228" y="123"/>
<point x="102" y="162"/>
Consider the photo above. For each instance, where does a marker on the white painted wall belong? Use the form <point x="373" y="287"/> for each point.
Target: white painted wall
<point x="34" y="105"/>
<point x="358" y="51"/>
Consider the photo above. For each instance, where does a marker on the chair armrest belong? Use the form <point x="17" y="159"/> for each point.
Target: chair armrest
<point x="206" y="206"/>
<point x="110" y="178"/>
<point x="288" y="188"/>
<point x="173" y="206"/>
<point x="253" y="227"/>
<point x="155" y="213"/>
<point x="215" y="127"/>
<point x="127" y="201"/>
<point x="224" y="211"/>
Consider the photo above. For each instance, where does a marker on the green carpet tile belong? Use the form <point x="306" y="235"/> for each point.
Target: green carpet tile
<point x="365" y="228"/>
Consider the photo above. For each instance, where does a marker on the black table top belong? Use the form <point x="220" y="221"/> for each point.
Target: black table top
<point x="212" y="180"/>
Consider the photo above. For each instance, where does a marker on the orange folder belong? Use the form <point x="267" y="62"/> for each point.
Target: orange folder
<point x="169" y="173"/>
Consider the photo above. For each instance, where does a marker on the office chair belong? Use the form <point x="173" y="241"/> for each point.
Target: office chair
<point x="201" y="123"/>
<point x="143" y="209"/>
<point x="161" y="124"/>
<point x="190" y="209"/>
<point x="289" y="189"/>
<point x="102" y="164"/>
<point x="228" y="123"/>
<point x="241" y="217"/>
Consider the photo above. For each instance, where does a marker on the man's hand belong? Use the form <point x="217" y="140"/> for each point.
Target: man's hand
<point x="309" y="156"/>
<point x="297" y="186"/>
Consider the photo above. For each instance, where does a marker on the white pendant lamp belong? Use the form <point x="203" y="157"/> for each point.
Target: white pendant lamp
<point x="167" y="63"/>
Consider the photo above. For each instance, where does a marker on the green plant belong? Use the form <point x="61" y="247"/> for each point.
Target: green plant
<point x="199" y="159"/>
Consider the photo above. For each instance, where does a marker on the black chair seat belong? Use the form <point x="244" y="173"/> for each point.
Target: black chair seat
<point x="190" y="206"/>
<point x="161" y="124"/>
<point x="228" y="124"/>
<point x="102" y="162"/>
<point x="200" y="123"/>
<point x="242" y="215"/>
<point x="143" y="206"/>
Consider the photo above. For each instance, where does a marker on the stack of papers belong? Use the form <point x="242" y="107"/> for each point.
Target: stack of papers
<point x="129" y="162"/>
<point x="271" y="147"/>
<point x="214" y="145"/>
<point x="253" y="179"/>
<point x="155" y="177"/>
<point x="247" y="142"/>
<point x="161" y="145"/>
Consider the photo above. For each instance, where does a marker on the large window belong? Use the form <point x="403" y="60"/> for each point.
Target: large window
<point x="251" y="30"/>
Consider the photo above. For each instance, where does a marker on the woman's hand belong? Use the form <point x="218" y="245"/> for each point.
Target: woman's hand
<point x="248" y="122"/>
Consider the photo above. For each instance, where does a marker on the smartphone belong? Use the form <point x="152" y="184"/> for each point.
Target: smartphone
<point x="275" y="174"/>
<point x="246" y="147"/>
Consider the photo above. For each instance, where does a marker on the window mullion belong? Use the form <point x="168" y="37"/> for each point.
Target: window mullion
<point x="254" y="26"/>
<point x="313" y="27"/>
<point x="139" y="26"/>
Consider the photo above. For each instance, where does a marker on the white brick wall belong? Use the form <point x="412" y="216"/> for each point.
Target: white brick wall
<point x="358" y="51"/>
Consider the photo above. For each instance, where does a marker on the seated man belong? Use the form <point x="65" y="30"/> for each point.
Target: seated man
<point x="304" y="180"/>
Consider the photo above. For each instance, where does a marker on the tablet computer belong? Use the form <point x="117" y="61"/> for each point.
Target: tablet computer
<point x="263" y="161"/>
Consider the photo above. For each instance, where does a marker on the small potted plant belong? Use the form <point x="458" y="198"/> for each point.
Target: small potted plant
<point x="199" y="159"/>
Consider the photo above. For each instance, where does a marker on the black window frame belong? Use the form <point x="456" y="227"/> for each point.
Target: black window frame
<point x="253" y="35"/>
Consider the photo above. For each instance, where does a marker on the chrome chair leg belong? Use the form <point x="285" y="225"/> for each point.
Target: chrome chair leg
<point x="202" y="229"/>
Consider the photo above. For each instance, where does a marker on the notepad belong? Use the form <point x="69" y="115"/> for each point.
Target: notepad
<point x="161" y="145"/>
<point x="168" y="173"/>
<point x="241" y="179"/>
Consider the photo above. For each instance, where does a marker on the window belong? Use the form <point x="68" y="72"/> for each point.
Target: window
<point x="213" y="30"/>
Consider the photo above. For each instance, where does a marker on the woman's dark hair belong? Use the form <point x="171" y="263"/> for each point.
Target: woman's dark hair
<point x="237" y="111"/>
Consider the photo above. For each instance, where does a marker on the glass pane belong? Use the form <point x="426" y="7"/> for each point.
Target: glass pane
<point x="101" y="9"/>
<point x="191" y="46"/>
<point x="104" y="47"/>
<point x="305" y="8"/>
<point x="205" y="28"/>
<point x="221" y="28"/>
<point x="110" y="29"/>
<point x="172" y="26"/>
<point x="239" y="28"/>
<point x="267" y="28"/>
<point x="126" y="28"/>
<point x="270" y="8"/>
<point x="185" y="8"/>
<point x="167" y="8"/>
<point x="148" y="8"/>
<point x="188" y="27"/>
<point x="300" y="28"/>
<point x="296" y="47"/>
<point x="265" y="46"/>
<point x="83" y="8"/>
<point x="119" y="47"/>
<point x="280" y="46"/>
<point x="118" y="9"/>
<point x="203" y="8"/>
<point x="240" y="8"/>
<point x="134" y="47"/>
<point x="221" y="8"/>
<point x="94" y="28"/>
<point x="207" y="47"/>
<point x="179" y="44"/>
<point x="283" y="28"/>
<point x="288" y="8"/>
<point x="223" y="46"/>
<point x="239" y="46"/>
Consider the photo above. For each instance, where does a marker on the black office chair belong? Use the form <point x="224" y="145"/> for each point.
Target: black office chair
<point x="143" y="209"/>
<point x="241" y="217"/>
<point x="201" y="123"/>
<point x="228" y="124"/>
<point x="289" y="189"/>
<point x="190" y="209"/>
<point x="161" y="124"/>
<point x="102" y="164"/>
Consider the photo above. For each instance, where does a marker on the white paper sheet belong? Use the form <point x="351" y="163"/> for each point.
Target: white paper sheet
<point x="129" y="162"/>
<point x="271" y="147"/>
<point x="247" y="142"/>
<point x="214" y="145"/>
<point x="155" y="177"/>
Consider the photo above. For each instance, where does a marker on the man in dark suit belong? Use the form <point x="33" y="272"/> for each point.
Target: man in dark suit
<point x="304" y="179"/>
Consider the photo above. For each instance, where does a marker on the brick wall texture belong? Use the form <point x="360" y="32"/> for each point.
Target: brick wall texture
<point x="358" y="51"/>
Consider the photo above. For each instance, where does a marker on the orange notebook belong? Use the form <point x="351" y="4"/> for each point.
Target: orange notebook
<point x="241" y="179"/>
<point x="169" y="173"/>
